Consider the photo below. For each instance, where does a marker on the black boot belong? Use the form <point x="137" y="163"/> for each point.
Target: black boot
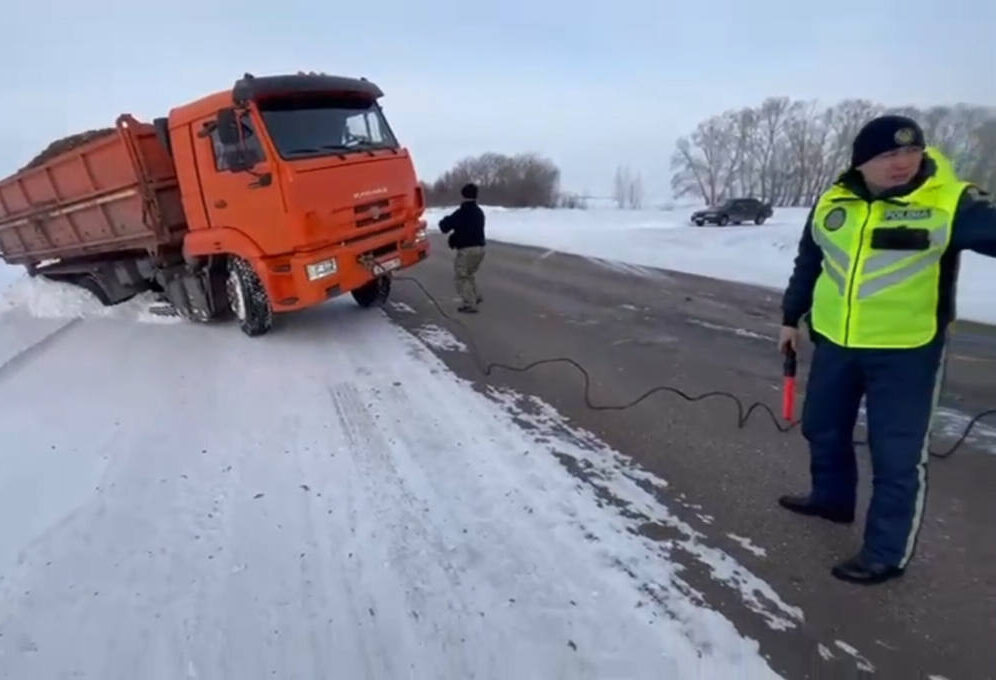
<point x="804" y="506"/>
<point x="858" y="570"/>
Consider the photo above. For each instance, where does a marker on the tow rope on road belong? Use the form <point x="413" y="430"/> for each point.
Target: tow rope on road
<point x="744" y="412"/>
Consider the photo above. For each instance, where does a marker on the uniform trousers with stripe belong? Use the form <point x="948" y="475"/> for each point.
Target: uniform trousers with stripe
<point x="901" y="388"/>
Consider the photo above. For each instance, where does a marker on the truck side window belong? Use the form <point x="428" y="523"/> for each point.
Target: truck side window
<point x="252" y="145"/>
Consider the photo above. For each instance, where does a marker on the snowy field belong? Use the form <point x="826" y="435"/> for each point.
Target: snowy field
<point x="665" y="238"/>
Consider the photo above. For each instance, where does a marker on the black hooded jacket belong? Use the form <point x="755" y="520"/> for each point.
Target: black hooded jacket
<point x="466" y="224"/>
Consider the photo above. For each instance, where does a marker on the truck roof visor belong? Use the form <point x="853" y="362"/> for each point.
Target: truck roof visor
<point x="251" y="88"/>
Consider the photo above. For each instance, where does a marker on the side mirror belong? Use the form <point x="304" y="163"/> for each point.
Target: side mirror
<point x="228" y="127"/>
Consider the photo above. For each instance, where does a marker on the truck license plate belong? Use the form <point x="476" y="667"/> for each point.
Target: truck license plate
<point x="381" y="268"/>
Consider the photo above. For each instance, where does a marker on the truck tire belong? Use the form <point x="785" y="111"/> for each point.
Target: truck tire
<point x="374" y="293"/>
<point x="723" y="220"/>
<point x="91" y="284"/>
<point x="759" y="220"/>
<point x="699" y="223"/>
<point x="247" y="298"/>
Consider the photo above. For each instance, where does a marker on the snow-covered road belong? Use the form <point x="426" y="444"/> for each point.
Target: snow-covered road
<point x="330" y="501"/>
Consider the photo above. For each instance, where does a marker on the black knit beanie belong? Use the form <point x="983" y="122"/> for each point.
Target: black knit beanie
<point x="469" y="191"/>
<point x="882" y="134"/>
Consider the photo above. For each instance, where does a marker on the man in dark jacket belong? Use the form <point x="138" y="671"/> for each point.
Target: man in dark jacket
<point x="875" y="276"/>
<point x="466" y="229"/>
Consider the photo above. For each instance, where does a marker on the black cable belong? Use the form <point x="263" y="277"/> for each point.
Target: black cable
<point x="743" y="413"/>
<point x="964" y="435"/>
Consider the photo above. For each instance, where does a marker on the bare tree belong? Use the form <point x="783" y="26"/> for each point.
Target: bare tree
<point x="627" y="189"/>
<point x="635" y="193"/>
<point x="689" y="172"/>
<point x="956" y="131"/>
<point x="788" y="152"/>
<point x="706" y="162"/>
<point x="620" y="184"/>
<point x="982" y="167"/>
<point x="746" y="170"/>
<point x="808" y="135"/>
<point x="768" y="144"/>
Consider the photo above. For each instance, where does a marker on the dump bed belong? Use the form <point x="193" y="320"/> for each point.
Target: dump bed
<point x="115" y="193"/>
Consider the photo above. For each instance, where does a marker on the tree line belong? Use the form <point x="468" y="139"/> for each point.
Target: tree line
<point x="788" y="152"/>
<point x="785" y="152"/>
<point x="521" y="181"/>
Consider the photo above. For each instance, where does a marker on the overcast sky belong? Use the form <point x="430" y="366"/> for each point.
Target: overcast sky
<point x="591" y="85"/>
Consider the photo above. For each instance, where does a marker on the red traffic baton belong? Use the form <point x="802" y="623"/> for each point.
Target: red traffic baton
<point x="788" y="385"/>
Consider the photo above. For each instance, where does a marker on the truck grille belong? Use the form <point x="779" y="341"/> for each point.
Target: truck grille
<point x="382" y="251"/>
<point x="370" y="214"/>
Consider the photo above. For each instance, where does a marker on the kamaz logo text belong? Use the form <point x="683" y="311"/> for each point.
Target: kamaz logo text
<point x="370" y="192"/>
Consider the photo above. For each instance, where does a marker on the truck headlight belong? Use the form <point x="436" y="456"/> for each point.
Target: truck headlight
<point x="320" y="270"/>
<point x="420" y="235"/>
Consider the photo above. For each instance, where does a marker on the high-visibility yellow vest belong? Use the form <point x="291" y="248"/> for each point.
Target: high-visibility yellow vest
<point x="880" y="284"/>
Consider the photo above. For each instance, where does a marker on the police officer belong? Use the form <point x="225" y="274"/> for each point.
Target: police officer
<point x="466" y="229"/>
<point x="876" y="274"/>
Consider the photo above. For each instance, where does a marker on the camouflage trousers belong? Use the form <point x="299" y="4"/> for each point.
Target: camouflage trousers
<point x="466" y="264"/>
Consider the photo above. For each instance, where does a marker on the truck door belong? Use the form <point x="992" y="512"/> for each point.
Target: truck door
<point x="246" y="200"/>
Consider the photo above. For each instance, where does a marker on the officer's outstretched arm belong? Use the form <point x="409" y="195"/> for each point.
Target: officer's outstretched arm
<point x="975" y="223"/>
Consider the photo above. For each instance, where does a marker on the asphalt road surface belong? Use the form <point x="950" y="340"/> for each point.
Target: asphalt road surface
<point x="634" y="328"/>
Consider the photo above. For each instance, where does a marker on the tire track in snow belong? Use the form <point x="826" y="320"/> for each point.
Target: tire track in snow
<point x="401" y="528"/>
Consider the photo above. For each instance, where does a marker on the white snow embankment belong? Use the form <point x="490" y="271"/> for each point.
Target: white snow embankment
<point x="43" y="299"/>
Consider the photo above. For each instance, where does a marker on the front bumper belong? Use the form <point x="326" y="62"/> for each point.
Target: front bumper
<point x="286" y="277"/>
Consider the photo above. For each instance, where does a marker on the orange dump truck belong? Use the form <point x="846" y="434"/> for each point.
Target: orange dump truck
<point x="270" y="197"/>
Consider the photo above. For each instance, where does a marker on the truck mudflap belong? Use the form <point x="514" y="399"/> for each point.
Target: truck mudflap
<point x="198" y="293"/>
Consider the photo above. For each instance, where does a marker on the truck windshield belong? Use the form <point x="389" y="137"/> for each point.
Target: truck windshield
<point x="325" y="126"/>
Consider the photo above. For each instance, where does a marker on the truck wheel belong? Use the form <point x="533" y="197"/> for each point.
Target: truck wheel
<point x="247" y="298"/>
<point x="374" y="293"/>
<point x="699" y="223"/>
<point x="723" y="220"/>
<point x="91" y="284"/>
<point x="759" y="220"/>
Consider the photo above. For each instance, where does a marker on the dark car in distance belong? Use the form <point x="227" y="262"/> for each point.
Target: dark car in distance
<point x="735" y="210"/>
